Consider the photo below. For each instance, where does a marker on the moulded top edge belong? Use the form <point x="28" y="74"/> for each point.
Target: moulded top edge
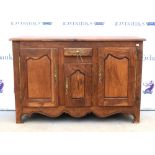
<point x="79" y="38"/>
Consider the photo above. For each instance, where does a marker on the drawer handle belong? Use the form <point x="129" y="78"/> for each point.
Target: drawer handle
<point x="66" y="86"/>
<point x="79" y="55"/>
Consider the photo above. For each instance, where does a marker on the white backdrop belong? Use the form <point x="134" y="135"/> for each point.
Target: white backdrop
<point x="76" y="18"/>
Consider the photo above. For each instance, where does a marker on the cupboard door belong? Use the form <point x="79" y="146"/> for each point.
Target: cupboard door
<point x="78" y="84"/>
<point x="117" y="78"/>
<point x="39" y="77"/>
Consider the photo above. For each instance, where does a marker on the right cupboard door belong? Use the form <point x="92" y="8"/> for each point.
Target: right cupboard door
<point x="116" y="76"/>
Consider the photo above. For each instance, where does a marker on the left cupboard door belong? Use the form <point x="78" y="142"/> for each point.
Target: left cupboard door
<point x="39" y="77"/>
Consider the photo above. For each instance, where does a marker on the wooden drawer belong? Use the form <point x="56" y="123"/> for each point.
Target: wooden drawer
<point x="77" y="51"/>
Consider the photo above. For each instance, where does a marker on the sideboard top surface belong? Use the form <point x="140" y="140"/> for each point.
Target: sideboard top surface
<point x="79" y="38"/>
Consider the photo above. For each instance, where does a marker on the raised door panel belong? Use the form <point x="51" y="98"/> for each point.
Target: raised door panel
<point x="39" y="78"/>
<point x="39" y="81"/>
<point x="78" y="84"/>
<point x="117" y="78"/>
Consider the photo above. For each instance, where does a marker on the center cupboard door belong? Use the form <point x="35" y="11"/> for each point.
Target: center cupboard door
<point x="78" y="84"/>
<point x="117" y="76"/>
<point x="39" y="77"/>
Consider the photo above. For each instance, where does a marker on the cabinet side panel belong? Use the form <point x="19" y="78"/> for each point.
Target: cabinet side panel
<point x="16" y="63"/>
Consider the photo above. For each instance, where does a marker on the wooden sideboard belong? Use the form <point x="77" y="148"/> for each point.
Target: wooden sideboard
<point x="77" y="76"/>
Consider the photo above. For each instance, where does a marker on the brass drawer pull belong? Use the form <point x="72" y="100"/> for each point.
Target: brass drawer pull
<point x="66" y="86"/>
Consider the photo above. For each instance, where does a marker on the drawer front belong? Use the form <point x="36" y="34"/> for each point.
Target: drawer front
<point x="78" y="52"/>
